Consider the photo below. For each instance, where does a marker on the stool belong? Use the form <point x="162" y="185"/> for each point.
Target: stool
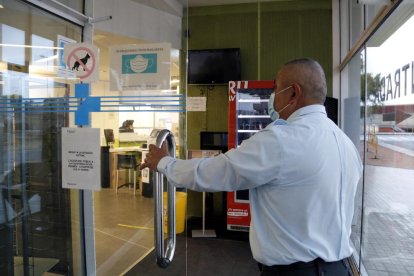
<point x="126" y="162"/>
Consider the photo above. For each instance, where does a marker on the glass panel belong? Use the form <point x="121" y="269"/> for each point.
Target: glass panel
<point x="213" y="26"/>
<point x="35" y="212"/>
<point x="371" y="11"/>
<point x="356" y="16"/>
<point x="40" y="220"/>
<point x="252" y="113"/>
<point x="12" y="36"/>
<point x="362" y="13"/>
<point x="344" y="28"/>
<point x="353" y="116"/>
<point x="356" y="20"/>
<point x="43" y="54"/>
<point x="389" y="158"/>
<point x="140" y="90"/>
<point x="268" y="33"/>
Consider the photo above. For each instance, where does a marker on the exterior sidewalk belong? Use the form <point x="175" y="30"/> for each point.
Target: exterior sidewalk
<point x="388" y="211"/>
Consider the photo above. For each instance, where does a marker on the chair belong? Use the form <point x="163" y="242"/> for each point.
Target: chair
<point x="109" y="137"/>
<point x="126" y="162"/>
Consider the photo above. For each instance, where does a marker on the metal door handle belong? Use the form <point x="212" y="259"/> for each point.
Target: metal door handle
<point x="164" y="256"/>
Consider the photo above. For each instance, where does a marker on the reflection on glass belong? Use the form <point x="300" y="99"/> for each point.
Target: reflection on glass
<point x="140" y="91"/>
<point x="353" y="118"/>
<point x="12" y="36"/>
<point x="37" y="225"/>
<point x="43" y="53"/>
<point x="388" y="223"/>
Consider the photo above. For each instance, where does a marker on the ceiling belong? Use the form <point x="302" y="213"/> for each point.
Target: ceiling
<point x="198" y="3"/>
<point x="172" y="6"/>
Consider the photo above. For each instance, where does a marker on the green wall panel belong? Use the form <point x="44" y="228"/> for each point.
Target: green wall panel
<point x="288" y="30"/>
<point x="268" y="34"/>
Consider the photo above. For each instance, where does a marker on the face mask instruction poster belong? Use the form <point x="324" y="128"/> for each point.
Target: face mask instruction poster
<point x="140" y="67"/>
<point x="81" y="158"/>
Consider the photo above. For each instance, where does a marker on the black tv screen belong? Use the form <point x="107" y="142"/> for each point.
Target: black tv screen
<point x="331" y="106"/>
<point x="213" y="66"/>
<point x="214" y="140"/>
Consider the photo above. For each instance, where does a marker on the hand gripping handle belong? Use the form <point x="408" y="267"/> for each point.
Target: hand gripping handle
<point x="164" y="255"/>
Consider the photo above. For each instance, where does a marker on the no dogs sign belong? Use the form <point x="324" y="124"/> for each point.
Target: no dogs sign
<point x="82" y="59"/>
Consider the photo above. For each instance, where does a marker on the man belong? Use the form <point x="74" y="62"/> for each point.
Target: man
<point x="302" y="172"/>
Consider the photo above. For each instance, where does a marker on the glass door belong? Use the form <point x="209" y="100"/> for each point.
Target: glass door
<point x="110" y="230"/>
<point x="36" y="217"/>
<point x="129" y="120"/>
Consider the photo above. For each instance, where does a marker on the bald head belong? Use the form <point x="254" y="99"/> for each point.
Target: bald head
<point x="309" y="74"/>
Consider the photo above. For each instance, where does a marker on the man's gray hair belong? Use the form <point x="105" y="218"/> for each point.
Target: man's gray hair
<point x="314" y="80"/>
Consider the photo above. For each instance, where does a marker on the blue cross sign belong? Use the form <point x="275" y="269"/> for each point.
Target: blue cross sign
<point x="86" y="105"/>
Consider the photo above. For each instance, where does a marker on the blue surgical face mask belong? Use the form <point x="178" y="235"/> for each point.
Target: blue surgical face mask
<point x="270" y="110"/>
<point x="274" y="115"/>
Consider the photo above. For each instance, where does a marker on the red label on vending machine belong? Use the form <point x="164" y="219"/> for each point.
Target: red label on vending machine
<point x="248" y="114"/>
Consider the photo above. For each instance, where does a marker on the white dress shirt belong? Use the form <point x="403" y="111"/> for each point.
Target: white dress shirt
<point x="302" y="174"/>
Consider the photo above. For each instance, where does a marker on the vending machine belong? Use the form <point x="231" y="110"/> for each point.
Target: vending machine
<point x="248" y="114"/>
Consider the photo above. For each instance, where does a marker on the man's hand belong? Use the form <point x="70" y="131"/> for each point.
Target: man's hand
<point x="154" y="156"/>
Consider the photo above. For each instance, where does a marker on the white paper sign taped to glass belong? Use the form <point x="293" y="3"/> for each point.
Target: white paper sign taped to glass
<point x="140" y="67"/>
<point x="82" y="59"/>
<point x="81" y="157"/>
<point x="196" y="103"/>
<point x="145" y="173"/>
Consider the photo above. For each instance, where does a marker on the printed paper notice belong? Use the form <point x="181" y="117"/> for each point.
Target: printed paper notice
<point x="81" y="157"/>
<point x="145" y="173"/>
<point x="196" y="104"/>
<point x="140" y="67"/>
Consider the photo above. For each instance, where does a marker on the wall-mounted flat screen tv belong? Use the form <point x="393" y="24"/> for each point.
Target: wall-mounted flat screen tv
<point x="213" y="66"/>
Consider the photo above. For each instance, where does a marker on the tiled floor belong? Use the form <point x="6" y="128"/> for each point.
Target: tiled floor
<point x="204" y="257"/>
<point x="124" y="237"/>
<point x="123" y="229"/>
<point x="388" y="219"/>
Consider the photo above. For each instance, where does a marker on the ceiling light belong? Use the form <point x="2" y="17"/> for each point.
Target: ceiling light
<point x="45" y="59"/>
<point x="29" y="46"/>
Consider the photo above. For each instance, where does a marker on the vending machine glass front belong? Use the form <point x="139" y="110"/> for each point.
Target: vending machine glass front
<point x="248" y="114"/>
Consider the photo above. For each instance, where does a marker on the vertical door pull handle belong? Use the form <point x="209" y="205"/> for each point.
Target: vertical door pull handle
<point x="165" y="248"/>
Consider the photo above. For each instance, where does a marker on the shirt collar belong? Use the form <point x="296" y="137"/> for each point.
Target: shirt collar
<point x="314" y="108"/>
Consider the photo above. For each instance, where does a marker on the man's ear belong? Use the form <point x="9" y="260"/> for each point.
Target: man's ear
<point x="297" y="91"/>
